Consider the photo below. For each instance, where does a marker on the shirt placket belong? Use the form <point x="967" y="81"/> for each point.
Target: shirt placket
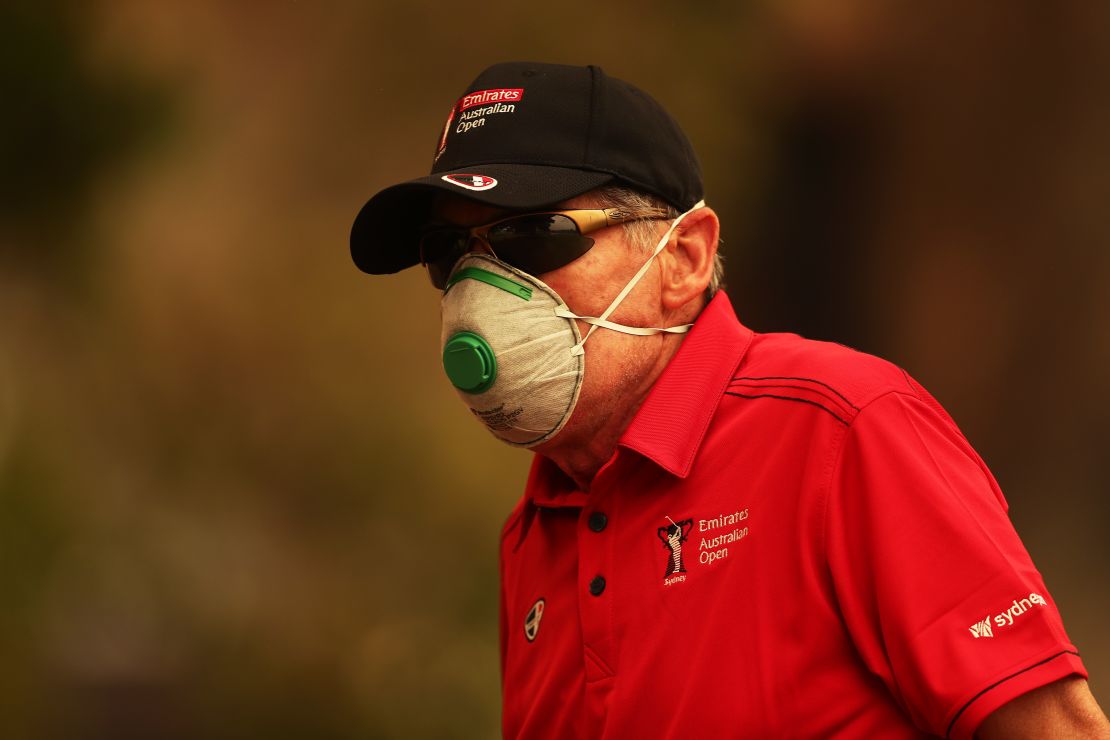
<point x="598" y="585"/>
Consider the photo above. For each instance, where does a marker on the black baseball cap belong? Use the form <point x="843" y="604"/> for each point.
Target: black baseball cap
<point x="526" y="136"/>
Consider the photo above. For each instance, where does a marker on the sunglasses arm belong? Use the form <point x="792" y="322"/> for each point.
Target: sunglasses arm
<point x="614" y="216"/>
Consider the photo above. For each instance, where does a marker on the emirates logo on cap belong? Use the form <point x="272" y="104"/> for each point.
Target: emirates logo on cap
<point x="471" y="182"/>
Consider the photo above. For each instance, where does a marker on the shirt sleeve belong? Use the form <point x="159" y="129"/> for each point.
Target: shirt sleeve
<point x="935" y="587"/>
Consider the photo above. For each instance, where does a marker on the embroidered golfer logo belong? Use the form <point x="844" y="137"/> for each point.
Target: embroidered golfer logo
<point x="532" y="621"/>
<point x="672" y="537"/>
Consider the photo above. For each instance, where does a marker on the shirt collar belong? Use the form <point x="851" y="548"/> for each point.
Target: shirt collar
<point x="671" y="423"/>
<point x="669" y="426"/>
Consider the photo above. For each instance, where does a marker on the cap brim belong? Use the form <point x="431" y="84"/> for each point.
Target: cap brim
<point x="385" y="234"/>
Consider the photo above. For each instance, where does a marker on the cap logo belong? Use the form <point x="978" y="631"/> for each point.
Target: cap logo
<point x="496" y="95"/>
<point x="446" y="130"/>
<point x="471" y="110"/>
<point x="471" y="182"/>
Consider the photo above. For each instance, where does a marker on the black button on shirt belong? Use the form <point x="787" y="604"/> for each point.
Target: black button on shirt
<point x="597" y="585"/>
<point x="597" y="521"/>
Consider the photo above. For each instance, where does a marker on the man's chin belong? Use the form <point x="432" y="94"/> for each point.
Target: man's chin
<point x="552" y="446"/>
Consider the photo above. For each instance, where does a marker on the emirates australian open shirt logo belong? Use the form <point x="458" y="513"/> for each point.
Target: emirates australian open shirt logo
<point x="715" y="540"/>
<point x="673" y="536"/>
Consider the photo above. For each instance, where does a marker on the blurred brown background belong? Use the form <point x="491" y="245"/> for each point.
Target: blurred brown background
<point x="237" y="498"/>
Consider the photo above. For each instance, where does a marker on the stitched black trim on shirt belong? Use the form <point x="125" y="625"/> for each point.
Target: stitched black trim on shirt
<point x="790" y="398"/>
<point x="735" y="384"/>
<point x="948" y="732"/>
<point x="808" y="380"/>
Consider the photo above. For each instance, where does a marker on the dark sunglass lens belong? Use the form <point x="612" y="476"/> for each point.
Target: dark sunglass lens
<point x="540" y="243"/>
<point x="538" y="225"/>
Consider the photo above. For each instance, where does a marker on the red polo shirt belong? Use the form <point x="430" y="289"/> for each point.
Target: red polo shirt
<point x="792" y="539"/>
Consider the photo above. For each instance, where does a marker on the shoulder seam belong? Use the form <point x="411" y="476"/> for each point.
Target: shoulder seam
<point x="835" y="456"/>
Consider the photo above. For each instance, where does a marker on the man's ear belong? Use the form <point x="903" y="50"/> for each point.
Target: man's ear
<point x="687" y="260"/>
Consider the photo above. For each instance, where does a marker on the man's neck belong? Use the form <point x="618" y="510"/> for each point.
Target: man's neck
<point x="582" y="461"/>
<point x="581" y="453"/>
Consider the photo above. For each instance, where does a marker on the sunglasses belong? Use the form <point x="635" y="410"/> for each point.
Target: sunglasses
<point x="534" y="243"/>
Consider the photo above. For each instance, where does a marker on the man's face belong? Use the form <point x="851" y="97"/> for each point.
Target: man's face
<point x="617" y="365"/>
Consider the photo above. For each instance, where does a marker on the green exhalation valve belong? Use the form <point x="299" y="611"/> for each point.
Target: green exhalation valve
<point x="470" y="363"/>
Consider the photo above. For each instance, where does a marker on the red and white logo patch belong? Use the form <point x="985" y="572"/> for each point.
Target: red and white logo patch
<point x="532" y="621"/>
<point x="486" y="97"/>
<point x="446" y="130"/>
<point x="471" y="182"/>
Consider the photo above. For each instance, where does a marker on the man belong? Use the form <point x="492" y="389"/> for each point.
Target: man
<point x="724" y="534"/>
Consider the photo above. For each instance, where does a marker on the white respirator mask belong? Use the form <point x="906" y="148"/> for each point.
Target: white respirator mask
<point x="512" y="349"/>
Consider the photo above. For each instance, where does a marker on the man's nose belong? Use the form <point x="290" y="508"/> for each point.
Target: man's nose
<point x="480" y="245"/>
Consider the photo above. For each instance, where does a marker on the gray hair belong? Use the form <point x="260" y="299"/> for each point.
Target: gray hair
<point x="643" y="233"/>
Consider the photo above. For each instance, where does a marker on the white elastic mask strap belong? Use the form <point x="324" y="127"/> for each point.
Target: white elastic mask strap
<point x="602" y="319"/>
